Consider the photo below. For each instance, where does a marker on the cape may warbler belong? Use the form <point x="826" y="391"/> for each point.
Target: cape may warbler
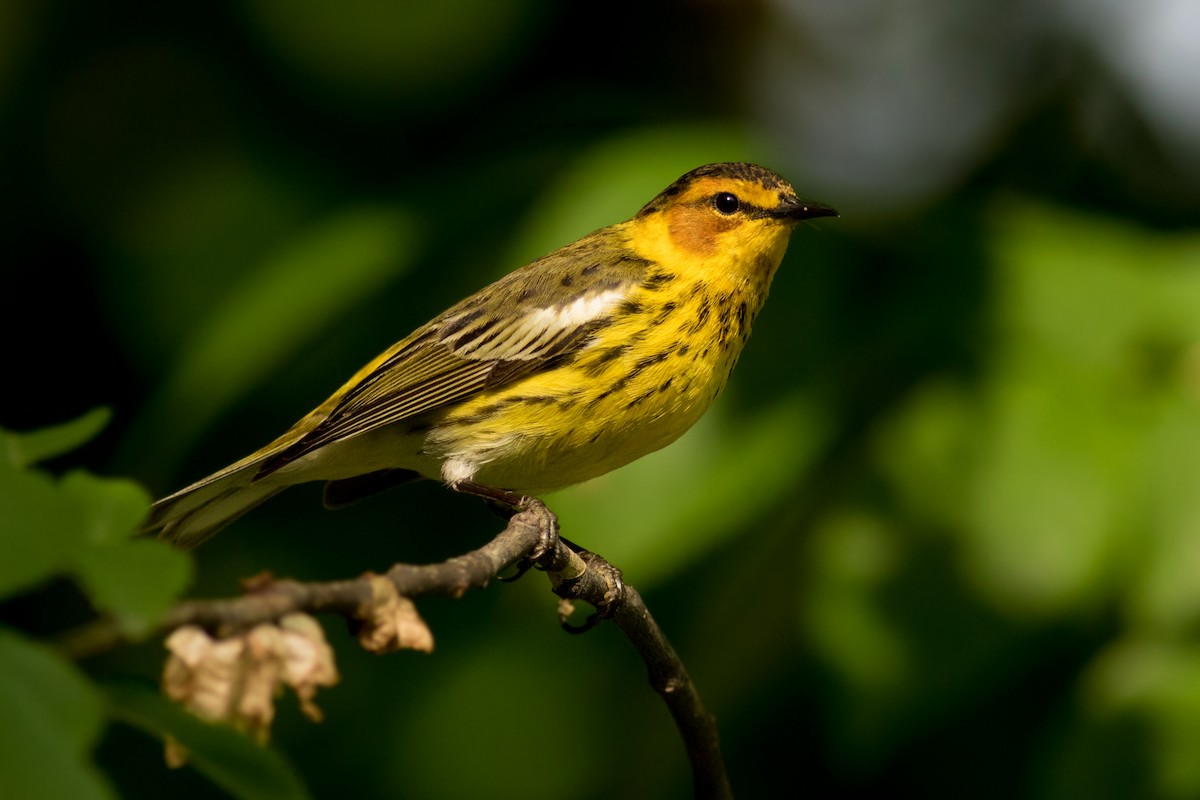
<point x="574" y="365"/>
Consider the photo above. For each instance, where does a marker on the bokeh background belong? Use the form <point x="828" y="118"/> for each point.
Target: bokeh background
<point x="940" y="538"/>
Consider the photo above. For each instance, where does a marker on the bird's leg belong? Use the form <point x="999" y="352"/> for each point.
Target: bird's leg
<point x="544" y="555"/>
<point x="508" y="504"/>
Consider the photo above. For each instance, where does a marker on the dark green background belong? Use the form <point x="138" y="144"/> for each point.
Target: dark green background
<point x="941" y="536"/>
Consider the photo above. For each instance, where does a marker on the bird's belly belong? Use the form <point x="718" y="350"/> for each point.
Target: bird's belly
<point x="542" y="436"/>
<point x="535" y="463"/>
<point x="639" y="386"/>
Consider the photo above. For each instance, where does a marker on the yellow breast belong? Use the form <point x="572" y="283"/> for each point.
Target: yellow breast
<point x="644" y="381"/>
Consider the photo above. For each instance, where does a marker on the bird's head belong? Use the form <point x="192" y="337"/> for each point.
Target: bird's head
<point x="737" y="211"/>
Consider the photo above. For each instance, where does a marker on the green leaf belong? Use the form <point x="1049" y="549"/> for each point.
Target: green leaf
<point x="112" y="508"/>
<point x="136" y="582"/>
<point x="51" y="716"/>
<point x="23" y="449"/>
<point x="81" y="525"/>
<point x="39" y="531"/>
<point x="229" y="759"/>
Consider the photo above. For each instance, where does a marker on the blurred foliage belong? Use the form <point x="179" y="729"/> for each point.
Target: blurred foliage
<point x="939" y="539"/>
<point x="81" y="527"/>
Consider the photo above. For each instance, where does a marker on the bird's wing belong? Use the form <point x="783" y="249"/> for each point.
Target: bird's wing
<point x="513" y="328"/>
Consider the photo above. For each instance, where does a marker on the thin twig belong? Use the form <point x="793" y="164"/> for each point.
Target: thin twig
<point x="670" y="679"/>
<point x="572" y="578"/>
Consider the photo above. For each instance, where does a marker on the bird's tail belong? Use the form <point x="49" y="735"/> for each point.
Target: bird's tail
<point x="193" y="515"/>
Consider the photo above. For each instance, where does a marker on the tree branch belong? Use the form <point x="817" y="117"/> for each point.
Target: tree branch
<point x="573" y="578"/>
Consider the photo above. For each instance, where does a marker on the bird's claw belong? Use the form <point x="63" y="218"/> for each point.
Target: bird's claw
<point x="544" y="553"/>
<point x="614" y="593"/>
<point x="522" y="566"/>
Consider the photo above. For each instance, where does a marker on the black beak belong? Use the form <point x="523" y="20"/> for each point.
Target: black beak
<point x="791" y="208"/>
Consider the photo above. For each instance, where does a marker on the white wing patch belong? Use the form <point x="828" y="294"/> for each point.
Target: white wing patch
<point x="580" y="311"/>
<point x="528" y="336"/>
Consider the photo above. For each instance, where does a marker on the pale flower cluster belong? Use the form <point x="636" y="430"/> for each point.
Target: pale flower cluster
<point x="236" y="679"/>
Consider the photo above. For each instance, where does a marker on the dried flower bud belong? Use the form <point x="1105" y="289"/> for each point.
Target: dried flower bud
<point x="391" y="622"/>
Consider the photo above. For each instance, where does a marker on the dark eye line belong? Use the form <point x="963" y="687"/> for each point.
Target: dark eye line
<point x="751" y="210"/>
<point x="756" y="212"/>
<point x="745" y="208"/>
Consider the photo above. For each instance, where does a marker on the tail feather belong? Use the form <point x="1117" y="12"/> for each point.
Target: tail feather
<point x="193" y="515"/>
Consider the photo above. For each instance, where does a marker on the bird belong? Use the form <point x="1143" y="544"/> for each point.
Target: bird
<point x="578" y="363"/>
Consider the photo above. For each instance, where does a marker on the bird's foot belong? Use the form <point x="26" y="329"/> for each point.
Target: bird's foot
<point x="575" y="572"/>
<point x="614" y="591"/>
<point x="545" y="554"/>
<point x="520" y="509"/>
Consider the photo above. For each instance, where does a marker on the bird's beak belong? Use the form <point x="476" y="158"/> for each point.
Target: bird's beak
<point x="795" y="210"/>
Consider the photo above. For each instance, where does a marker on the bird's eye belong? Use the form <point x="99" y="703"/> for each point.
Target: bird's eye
<point x="726" y="203"/>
